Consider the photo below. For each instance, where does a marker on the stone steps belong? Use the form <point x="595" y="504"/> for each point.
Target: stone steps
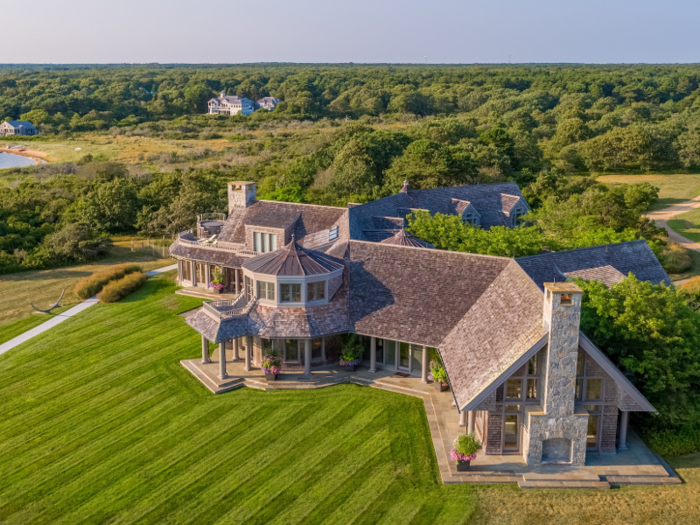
<point x="568" y="484"/>
<point x="642" y="480"/>
<point x="294" y="385"/>
<point x="560" y="476"/>
<point x="484" y="479"/>
<point x="387" y="386"/>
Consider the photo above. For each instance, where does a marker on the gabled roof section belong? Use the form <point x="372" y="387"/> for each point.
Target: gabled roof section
<point x="625" y="257"/>
<point x="295" y="260"/>
<point x="413" y="294"/>
<point x="274" y="214"/>
<point x="499" y="328"/>
<point x="20" y="123"/>
<point x="622" y="382"/>
<point x="606" y="274"/>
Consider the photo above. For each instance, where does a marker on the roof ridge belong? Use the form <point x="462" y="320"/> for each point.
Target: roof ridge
<point x="432" y="251"/>
<point x="580" y="249"/>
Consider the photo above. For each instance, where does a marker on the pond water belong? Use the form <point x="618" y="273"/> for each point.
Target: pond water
<point x="7" y="160"/>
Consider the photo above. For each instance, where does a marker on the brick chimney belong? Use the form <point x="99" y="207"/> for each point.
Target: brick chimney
<point x="406" y="188"/>
<point x="241" y="195"/>
<point x="561" y="317"/>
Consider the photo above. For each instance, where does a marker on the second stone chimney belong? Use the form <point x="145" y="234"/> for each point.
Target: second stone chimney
<point x="241" y="194"/>
<point x="561" y="317"/>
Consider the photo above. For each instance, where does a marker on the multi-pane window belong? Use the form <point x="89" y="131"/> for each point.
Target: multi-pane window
<point x="588" y="388"/>
<point x="470" y="218"/>
<point x="186" y="271"/>
<point x="533" y="373"/>
<point x="316" y="291"/>
<point x="290" y="293"/>
<point x="249" y="288"/>
<point x="518" y="216"/>
<point x="514" y="389"/>
<point x="291" y="350"/>
<point x="264" y="242"/>
<point x="266" y="345"/>
<point x="333" y="233"/>
<point x="594" y="414"/>
<point x="266" y="290"/>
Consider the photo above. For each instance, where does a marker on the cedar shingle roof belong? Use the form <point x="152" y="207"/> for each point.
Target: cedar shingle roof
<point x="414" y="294"/>
<point x="493" y="202"/>
<point x="624" y="257"/>
<point x="293" y="260"/>
<point x="403" y="238"/>
<point x="273" y="214"/>
<point x="219" y="257"/>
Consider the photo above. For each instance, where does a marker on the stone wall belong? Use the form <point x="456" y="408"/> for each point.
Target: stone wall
<point x="542" y="427"/>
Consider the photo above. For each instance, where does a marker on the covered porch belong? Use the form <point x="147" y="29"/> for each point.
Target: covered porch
<point x="637" y="465"/>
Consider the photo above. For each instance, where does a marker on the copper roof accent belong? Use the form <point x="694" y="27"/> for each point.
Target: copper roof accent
<point x="293" y="259"/>
<point x="403" y="238"/>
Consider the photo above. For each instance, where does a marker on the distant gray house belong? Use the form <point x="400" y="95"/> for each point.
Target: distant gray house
<point x="522" y="374"/>
<point x="17" y="127"/>
<point x="230" y="105"/>
<point x="268" y="103"/>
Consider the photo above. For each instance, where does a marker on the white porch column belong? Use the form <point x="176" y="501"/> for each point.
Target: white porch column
<point x="424" y="367"/>
<point x="462" y="418"/>
<point x="193" y="267"/>
<point x="470" y="422"/>
<point x="624" y="419"/>
<point x="235" y="279"/>
<point x="236" y="357"/>
<point x="179" y="271"/>
<point x="307" y="357"/>
<point x="207" y="275"/>
<point x="373" y="354"/>
<point x="205" y="351"/>
<point x="248" y="352"/>
<point x="323" y="348"/>
<point x="222" y="360"/>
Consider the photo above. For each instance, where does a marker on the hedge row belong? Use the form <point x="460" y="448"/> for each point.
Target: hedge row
<point x="93" y="284"/>
<point x="116" y="290"/>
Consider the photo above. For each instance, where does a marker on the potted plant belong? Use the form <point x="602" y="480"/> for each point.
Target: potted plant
<point x="351" y="353"/>
<point x="217" y="282"/>
<point x="439" y="376"/>
<point x="271" y="365"/>
<point x="464" y="451"/>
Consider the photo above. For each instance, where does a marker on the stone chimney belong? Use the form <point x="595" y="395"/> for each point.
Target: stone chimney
<point x="561" y="317"/>
<point x="405" y="188"/>
<point x="241" y="195"/>
<point x="223" y="95"/>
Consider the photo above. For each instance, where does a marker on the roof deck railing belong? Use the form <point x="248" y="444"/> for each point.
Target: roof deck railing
<point x="228" y="308"/>
<point x="211" y="217"/>
<point x="187" y="238"/>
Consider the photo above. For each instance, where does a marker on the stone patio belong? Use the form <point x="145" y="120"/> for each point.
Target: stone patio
<point x="635" y="466"/>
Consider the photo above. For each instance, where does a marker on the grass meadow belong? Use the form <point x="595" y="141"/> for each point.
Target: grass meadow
<point x="101" y="424"/>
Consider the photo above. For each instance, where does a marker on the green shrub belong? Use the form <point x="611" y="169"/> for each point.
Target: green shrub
<point x="674" y="442"/>
<point x="675" y="258"/>
<point x="93" y="284"/>
<point x="117" y="290"/>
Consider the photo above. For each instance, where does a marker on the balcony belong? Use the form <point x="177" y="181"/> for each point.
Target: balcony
<point x="229" y="308"/>
<point x="187" y="238"/>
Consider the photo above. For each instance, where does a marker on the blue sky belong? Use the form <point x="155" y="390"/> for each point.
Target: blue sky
<point x="447" y="31"/>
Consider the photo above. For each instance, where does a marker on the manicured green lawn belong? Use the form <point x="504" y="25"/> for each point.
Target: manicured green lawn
<point x="687" y="224"/>
<point x="101" y="424"/>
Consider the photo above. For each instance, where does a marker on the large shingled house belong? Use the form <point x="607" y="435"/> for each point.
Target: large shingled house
<point x="17" y="127"/>
<point x="230" y="105"/>
<point x="522" y="374"/>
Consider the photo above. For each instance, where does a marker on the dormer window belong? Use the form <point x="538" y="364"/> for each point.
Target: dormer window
<point x="290" y="293"/>
<point x="518" y="216"/>
<point x="264" y="242"/>
<point x="316" y="291"/>
<point x="470" y="218"/>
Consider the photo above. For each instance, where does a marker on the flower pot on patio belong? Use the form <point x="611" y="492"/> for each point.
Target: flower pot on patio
<point x="271" y="365"/>
<point x="440" y="387"/>
<point x="348" y="368"/>
<point x="463" y="466"/>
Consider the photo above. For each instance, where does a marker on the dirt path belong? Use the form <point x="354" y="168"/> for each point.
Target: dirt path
<point x="661" y="217"/>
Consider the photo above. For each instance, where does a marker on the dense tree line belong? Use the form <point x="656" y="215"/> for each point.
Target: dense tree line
<point x="577" y="117"/>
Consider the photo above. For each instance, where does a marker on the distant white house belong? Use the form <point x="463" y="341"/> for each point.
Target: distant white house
<point x="268" y="103"/>
<point x="230" y="105"/>
<point x="17" y="127"/>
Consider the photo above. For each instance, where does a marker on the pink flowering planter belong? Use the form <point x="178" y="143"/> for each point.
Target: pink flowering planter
<point x="349" y="366"/>
<point x="271" y="365"/>
<point x="464" y="451"/>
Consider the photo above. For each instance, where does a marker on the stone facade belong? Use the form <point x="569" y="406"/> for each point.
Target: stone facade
<point x="240" y="195"/>
<point x="558" y="425"/>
